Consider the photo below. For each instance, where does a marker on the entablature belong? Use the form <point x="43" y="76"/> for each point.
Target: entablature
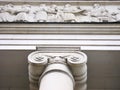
<point x="85" y="35"/>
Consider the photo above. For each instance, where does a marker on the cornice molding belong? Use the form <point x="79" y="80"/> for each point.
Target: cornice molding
<point x="47" y="28"/>
<point x="28" y="36"/>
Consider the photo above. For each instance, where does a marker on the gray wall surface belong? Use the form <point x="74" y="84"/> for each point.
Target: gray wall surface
<point x="103" y="70"/>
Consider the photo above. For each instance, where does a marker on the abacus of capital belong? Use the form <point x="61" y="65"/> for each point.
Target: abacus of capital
<point x="57" y="70"/>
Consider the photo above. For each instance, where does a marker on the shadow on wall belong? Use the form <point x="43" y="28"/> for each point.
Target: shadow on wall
<point x="103" y="70"/>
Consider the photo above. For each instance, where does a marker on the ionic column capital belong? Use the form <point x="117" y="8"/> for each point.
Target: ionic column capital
<point x="72" y="64"/>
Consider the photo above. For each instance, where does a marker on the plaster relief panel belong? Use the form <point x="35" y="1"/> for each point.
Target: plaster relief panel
<point x="59" y="13"/>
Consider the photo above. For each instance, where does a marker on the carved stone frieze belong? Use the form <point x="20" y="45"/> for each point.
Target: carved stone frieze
<point x="59" y="13"/>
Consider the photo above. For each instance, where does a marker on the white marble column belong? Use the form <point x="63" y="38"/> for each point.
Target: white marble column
<point x="57" y="71"/>
<point x="57" y="76"/>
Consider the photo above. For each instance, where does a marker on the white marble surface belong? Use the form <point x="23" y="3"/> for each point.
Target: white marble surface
<point x="59" y="13"/>
<point x="62" y="69"/>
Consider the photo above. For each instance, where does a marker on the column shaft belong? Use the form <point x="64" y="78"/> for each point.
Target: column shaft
<point x="56" y="81"/>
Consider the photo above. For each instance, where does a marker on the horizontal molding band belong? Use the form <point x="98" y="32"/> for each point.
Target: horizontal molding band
<point x="85" y="42"/>
<point x="85" y="36"/>
<point x="57" y="37"/>
<point x="11" y="28"/>
<point x="82" y="2"/>
<point x="63" y="1"/>
<point x="60" y="42"/>
<point x="100" y="48"/>
<point x="17" y="47"/>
